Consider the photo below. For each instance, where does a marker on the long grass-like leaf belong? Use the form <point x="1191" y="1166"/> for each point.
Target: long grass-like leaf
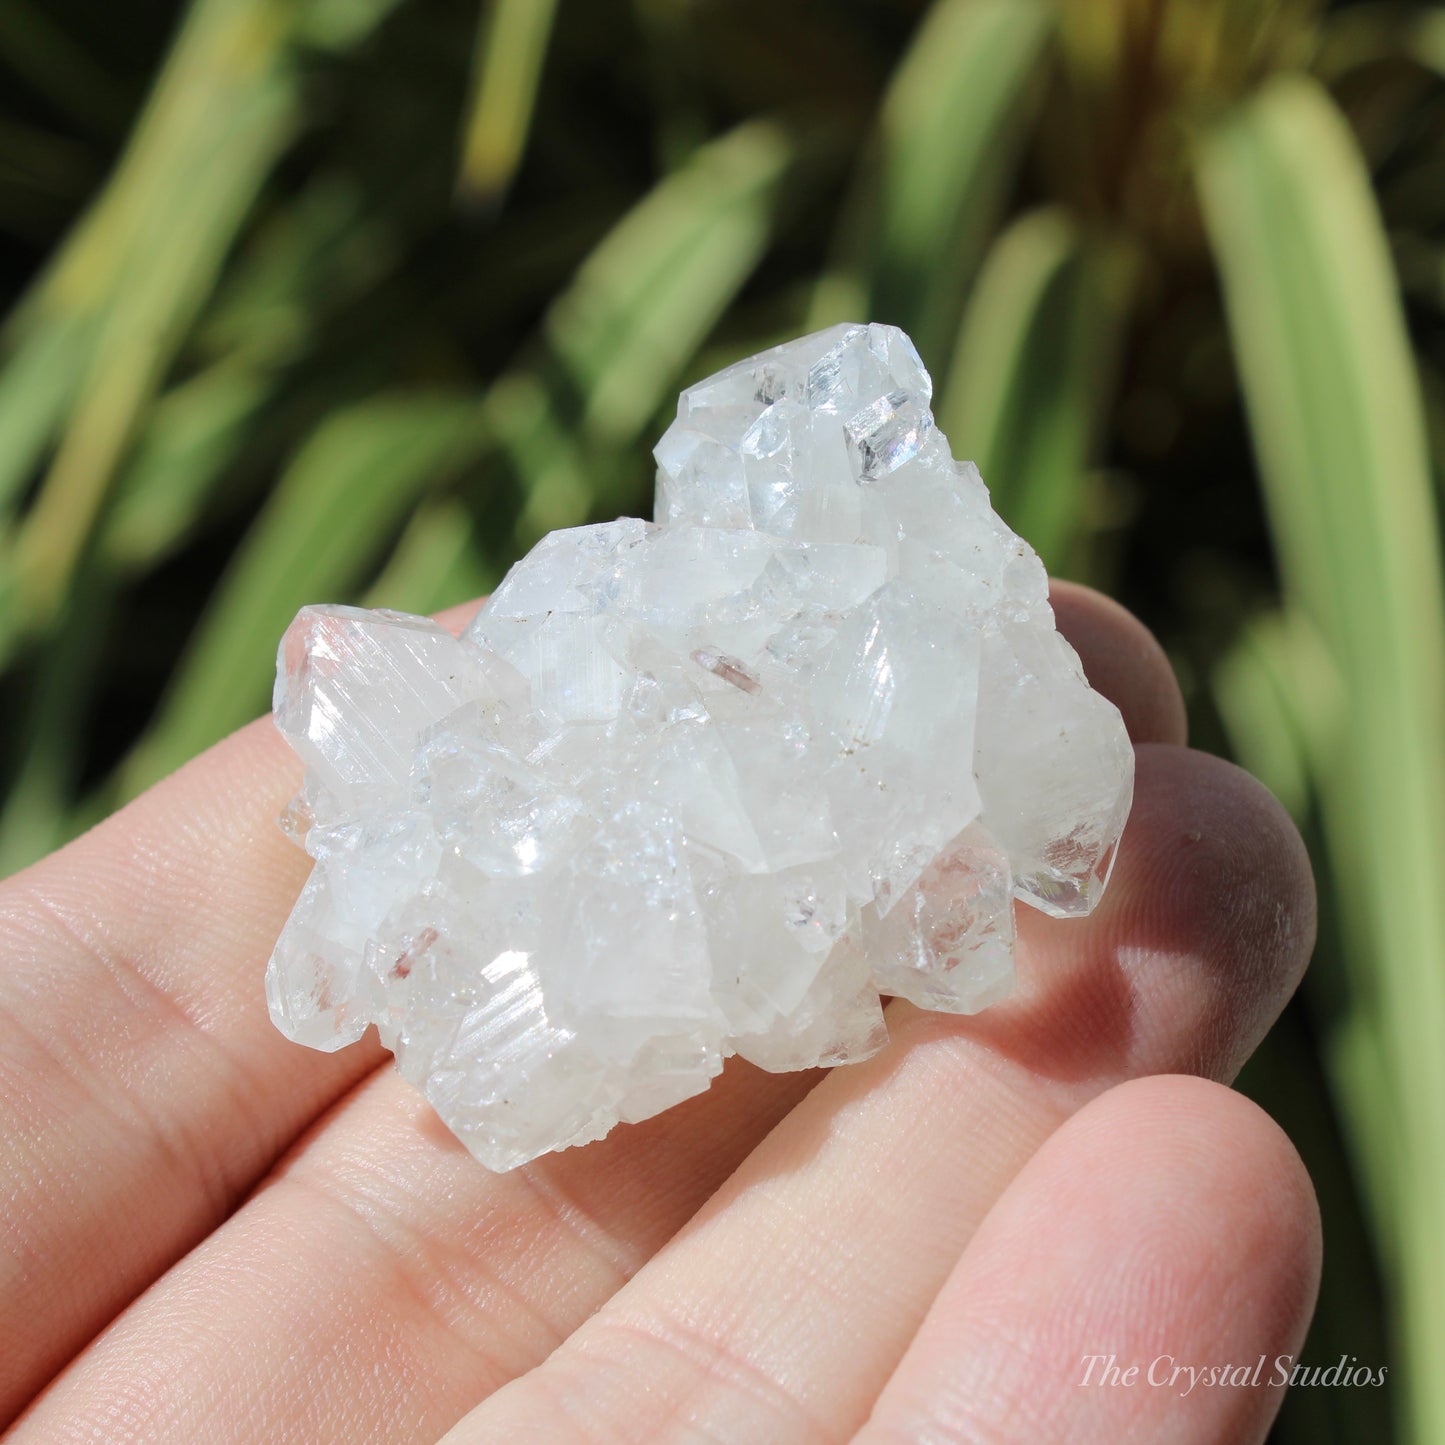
<point x="1335" y="410"/>
<point x="323" y="526"/>
<point x="311" y="258"/>
<point x="639" y="307"/>
<point x="339" y="24"/>
<point x="434" y="564"/>
<point x="511" y="46"/>
<point x="39" y="381"/>
<point x="1279" y="695"/>
<point x="103" y="323"/>
<point x="141" y="334"/>
<point x="1032" y="372"/>
<point x="656" y="284"/>
<point x="46" y="758"/>
<point x="195" y="430"/>
<point x="90" y="345"/>
<point x="929" y="190"/>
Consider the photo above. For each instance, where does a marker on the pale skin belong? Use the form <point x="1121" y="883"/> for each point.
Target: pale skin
<point x="212" y="1234"/>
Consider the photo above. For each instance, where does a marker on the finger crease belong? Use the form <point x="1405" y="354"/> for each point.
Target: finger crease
<point x="442" y="1285"/>
<point x="713" y="1364"/>
<point x="186" y="1144"/>
<point x="602" y="1245"/>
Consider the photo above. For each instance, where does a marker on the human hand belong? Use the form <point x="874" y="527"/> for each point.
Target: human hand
<point x="214" y="1235"/>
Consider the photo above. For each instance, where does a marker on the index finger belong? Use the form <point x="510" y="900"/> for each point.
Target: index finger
<point x="143" y="1090"/>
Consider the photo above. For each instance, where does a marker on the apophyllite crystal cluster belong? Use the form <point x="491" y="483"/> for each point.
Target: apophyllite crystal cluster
<point x="703" y="786"/>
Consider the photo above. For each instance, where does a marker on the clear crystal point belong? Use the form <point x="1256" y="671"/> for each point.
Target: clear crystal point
<point x="705" y="786"/>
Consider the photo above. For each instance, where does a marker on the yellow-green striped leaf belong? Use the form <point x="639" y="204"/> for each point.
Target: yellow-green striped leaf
<point x="511" y="46"/>
<point x="1335" y="411"/>
<point x="928" y="191"/>
<point x="337" y="505"/>
<point x="1032" y="372"/>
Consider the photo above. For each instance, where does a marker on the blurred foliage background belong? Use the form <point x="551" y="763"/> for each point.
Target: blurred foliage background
<point x="353" y="299"/>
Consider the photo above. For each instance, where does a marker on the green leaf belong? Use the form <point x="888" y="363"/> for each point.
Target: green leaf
<point x="195" y="430"/>
<point x="545" y="454"/>
<point x="49" y="730"/>
<point x="1033" y="372"/>
<point x="1335" y="411"/>
<point x="131" y="279"/>
<point x="308" y="260"/>
<point x="320" y="531"/>
<point x="322" y="250"/>
<point x="1282" y="704"/>
<point x="654" y="287"/>
<point x="931" y="185"/>
<point x="639" y="307"/>
<point x="511" y="46"/>
<point x="339" y="25"/>
<point x="434" y="564"/>
<point x="38" y="385"/>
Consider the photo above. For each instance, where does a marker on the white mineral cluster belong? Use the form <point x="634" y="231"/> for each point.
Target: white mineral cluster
<point x="703" y="786"/>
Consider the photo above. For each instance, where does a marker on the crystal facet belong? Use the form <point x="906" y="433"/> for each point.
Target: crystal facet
<point x="700" y="787"/>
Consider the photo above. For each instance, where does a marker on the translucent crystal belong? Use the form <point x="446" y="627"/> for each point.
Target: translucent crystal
<point x="707" y="786"/>
<point x="948" y="943"/>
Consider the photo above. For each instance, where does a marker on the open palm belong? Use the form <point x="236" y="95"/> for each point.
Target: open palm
<point x="213" y="1235"/>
